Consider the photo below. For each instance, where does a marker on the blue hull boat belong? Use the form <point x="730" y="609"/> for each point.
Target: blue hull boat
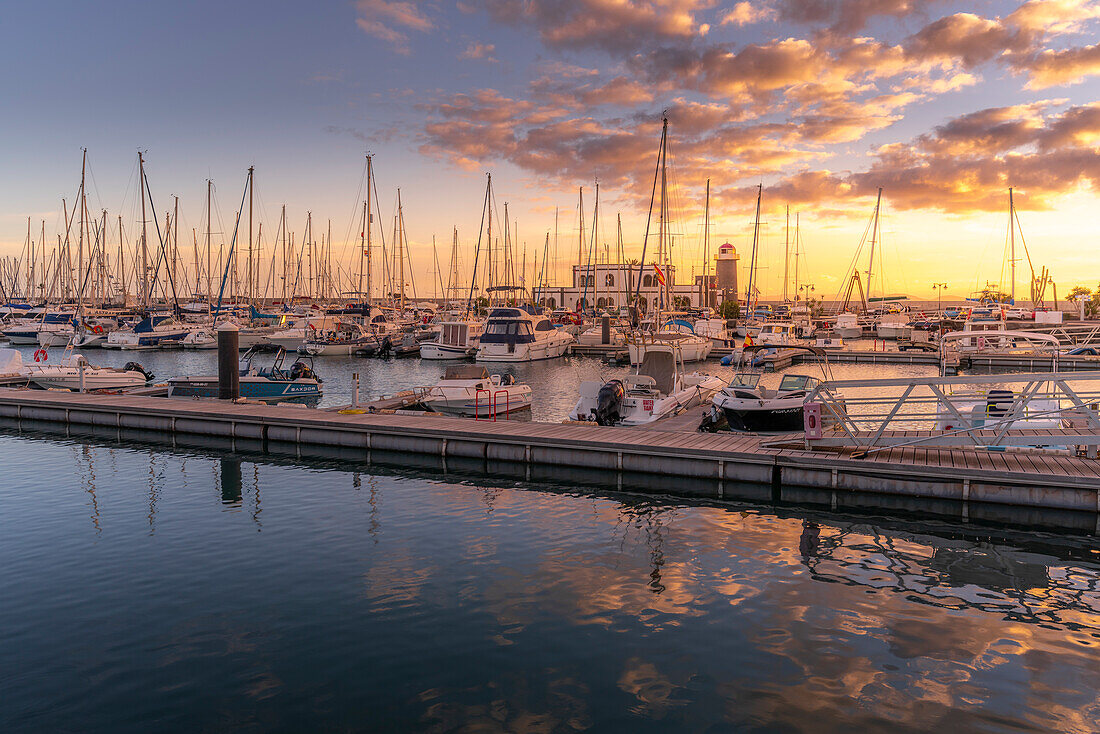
<point x="268" y="384"/>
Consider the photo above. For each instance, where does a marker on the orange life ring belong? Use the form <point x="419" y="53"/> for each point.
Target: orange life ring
<point x="97" y="329"/>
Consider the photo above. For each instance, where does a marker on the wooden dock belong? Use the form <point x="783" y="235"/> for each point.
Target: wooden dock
<point x="670" y="459"/>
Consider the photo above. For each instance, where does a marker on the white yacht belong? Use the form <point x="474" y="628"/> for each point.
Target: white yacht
<point x="777" y="333"/>
<point x="148" y="334"/>
<point x="659" y="389"/>
<point x="848" y="326"/>
<point x="515" y="335"/>
<point x="458" y="339"/>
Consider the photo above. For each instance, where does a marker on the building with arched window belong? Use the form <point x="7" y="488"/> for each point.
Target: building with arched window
<point x="609" y="285"/>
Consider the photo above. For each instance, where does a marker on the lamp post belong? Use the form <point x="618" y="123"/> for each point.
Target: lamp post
<point x="938" y="287"/>
<point x="806" y="290"/>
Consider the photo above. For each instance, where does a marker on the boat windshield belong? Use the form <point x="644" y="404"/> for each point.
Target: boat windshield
<point x="791" y="383"/>
<point x="745" y="379"/>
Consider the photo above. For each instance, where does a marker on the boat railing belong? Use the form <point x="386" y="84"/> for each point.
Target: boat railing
<point x="988" y="411"/>
<point x="492" y="403"/>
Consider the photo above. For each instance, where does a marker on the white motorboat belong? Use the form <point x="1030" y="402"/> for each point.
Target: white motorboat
<point x="202" y="338"/>
<point x="289" y="339"/>
<point x="457" y="339"/>
<point x="593" y="337"/>
<point x="55" y="335"/>
<point x="515" y="335"/>
<point x="344" y="340"/>
<point x="717" y="331"/>
<point x="746" y="406"/>
<point x="149" y="333"/>
<point x="659" y="389"/>
<point x="692" y="348"/>
<point x="75" y="372"/>
<point x="848" y="326"/>
<point x="893" y="325"/>
<point x="470" y="390"/>
<point x="777" y="334"/>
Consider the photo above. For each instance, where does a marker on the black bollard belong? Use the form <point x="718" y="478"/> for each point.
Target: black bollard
<point x="229" y="370"/>
<point x="605" y="333"/>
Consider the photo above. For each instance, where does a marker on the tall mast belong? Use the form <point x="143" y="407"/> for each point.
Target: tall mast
<point x="80" y="246"/>
<point x="401" y="247"/>
<point x="874" y="241"/>
<point x="704" y="289"/>
<point x="369" y="218"/>
<point x="752" y="259"/>
<point x="175" y="236"/>
<point x="662" y="253"/>
<point x="144" y="248"/>
<point x="786" y="252"/>
<point x="1012" y="241"/>
<point x="209" y="256"/>
<point x="251" y="188"/>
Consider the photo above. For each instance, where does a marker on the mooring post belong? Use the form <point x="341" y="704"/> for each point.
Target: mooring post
<point x="605" y="330"/>
<point x="229" y="370"/>
<point x="82" y="375"/>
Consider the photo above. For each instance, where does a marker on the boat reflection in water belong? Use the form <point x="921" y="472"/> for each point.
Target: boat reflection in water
<point x="390" y="600"/>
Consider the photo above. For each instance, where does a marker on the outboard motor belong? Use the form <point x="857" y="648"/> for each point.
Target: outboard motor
<point x="135" y="367"/>
<point x="507" y="379"/>
<point x="301" y="370"/>
<point x="385" y="347"/>
<point x="609" y="401"/>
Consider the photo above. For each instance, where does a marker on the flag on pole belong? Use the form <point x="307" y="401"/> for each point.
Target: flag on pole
<point x="660" y="275"/>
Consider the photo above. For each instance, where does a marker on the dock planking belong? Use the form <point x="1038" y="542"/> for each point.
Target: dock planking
<point x="676" y="449"/>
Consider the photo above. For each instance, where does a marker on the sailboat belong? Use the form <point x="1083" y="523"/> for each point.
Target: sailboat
<point x="673" y="328"/>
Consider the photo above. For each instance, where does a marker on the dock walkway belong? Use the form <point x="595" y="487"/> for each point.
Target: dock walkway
<point x="678" y="459"/>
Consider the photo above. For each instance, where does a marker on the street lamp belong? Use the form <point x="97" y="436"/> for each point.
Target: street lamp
<point x="938" y="287"/>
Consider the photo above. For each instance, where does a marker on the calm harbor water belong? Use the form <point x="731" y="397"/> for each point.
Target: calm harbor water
<point x="149" y="590"/>
<point x="554" y="382"/>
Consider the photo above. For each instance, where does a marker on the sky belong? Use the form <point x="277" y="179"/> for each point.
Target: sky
<point x="944" y="105"/>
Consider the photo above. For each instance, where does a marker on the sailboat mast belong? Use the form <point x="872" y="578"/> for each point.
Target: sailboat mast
<point x="874" y="241"/>
<point x="209" y="269"/>
<point x="786" y="252"/>
<point x="755" y="245"/>
<point x="703" y="288"/>
<point x="1012" y="242"/>
<point x="144" y="246"/>
<point x="251" y="188"/>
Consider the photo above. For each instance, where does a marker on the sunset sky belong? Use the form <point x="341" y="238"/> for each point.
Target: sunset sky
<point x="943" y="104"/>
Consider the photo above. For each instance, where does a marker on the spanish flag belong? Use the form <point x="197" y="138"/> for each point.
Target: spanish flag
<point x="660" y="275"/>
<point x="748" y="341"/>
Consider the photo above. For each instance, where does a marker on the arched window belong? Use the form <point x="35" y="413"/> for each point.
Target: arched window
<point x="647" y="281"/>
<point x="601" y="303"/>
<point x="609" y="280"/>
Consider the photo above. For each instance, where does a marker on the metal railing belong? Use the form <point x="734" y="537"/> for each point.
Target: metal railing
<point x="1040" y="410"/>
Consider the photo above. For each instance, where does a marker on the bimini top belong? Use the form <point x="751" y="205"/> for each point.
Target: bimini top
<point x="466" y="372"/>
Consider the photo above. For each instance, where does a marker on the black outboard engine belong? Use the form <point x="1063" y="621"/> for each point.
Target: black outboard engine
<point x="507" y="379"/>
<point x="301" y="370"/>
<point x="135" y="367"/>
<point x="609" y="401"/>
<point x="385" y="347"/>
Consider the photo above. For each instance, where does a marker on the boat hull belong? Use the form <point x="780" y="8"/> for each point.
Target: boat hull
<point x="435" y="350"/>
<point x="532" y="352"/>
<point x="252" y="388"/>
<point x="765" y="420"/>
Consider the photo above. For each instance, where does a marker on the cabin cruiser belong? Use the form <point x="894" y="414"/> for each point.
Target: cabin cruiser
<point x="458" y="339"/>
<point x="659" y="389"/>
<point x="75" y="372"/>
<point x="692" y="347"/>
<point x="746" y="406"/>
<point x="343" y="340"/>
<point x="594" y="337"/>
<point x="893" y="325"/>
<point x="777" y="333"/>
<point x="848" y="326"/>
<point x="515" y="335"/>
<point x="267" y="384"/>
<point x="150" y="333"/>
<point x="717" y="331"/>
<point x="92" y="333"/>
<point x="470" y="390"/>
<point x="55" y="335"/>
